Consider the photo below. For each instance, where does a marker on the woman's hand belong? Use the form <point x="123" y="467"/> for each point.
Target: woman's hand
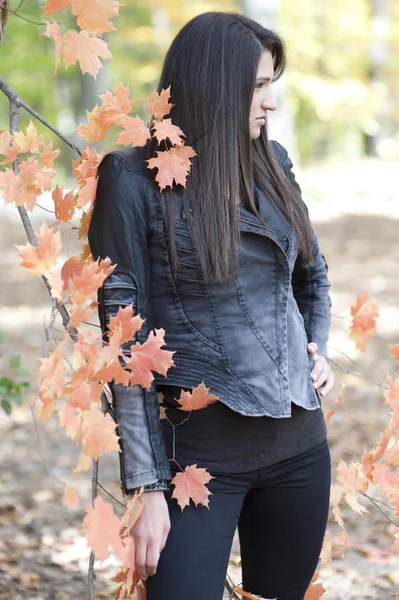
<point x="150" y="532"/>
<point x="322" y="376"/>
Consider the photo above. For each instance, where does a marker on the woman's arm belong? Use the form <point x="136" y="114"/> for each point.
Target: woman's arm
<point x="310" y="283"/>
<point x="119" y="229"/>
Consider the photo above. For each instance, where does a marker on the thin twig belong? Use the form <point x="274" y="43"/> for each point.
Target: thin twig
<point x="379" y="508"/>
<point x="110" y="496"/>
<point x="94" y="482"/>
<point x="21" y="17"/>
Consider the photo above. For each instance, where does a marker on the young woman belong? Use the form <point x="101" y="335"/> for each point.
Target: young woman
<point x="231" y="269"/>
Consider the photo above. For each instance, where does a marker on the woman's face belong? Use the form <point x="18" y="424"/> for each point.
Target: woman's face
<point x="263" y="98"/>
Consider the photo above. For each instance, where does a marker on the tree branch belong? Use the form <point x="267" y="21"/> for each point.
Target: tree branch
<point x="16" y="100"/>
<point x="14" y="12"/>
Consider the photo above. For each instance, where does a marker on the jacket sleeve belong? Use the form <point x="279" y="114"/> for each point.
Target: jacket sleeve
<point x="119" y="230"/>
<point x="310" y="282"/>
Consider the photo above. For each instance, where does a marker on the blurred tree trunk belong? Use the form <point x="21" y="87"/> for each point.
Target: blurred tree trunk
<point x="378" y="57"/>
<point x="281" y="122"/>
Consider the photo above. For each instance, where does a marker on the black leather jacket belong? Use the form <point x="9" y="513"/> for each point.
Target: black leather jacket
<point x="247" y="341"/>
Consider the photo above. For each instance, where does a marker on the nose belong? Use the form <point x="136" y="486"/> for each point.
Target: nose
<point x="269" y="101"/>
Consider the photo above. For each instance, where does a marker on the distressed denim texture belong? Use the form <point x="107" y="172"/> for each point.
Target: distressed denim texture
<point x="247" y="341"/>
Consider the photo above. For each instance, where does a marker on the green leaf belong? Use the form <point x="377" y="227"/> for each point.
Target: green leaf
<point x="6" y="406"/>
<point x="15" y="361"/>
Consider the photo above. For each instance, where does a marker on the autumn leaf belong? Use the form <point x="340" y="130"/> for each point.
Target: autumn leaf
<point x="149" y="357"/>
<point x="64" y="206"/>
<point x="165" y="129"/>
<point x="394" y="350"/>
<point x="53" y="31"/>
<point x="392" y="395"/>
<point x="93" y="15"/>
<point x="125" y="322"/>
<point x="53" y="6"/>
<point x="247" y="595"/>
<point x="364" y="313"/>
<point x="6" y="148"/>
<point x="135" y="133"/>
<point x="71" y="497"/>
<point x="47" y="156"/>
<point x="332" y="411"/>
<point x="87" y="194"/>
<point x="115" y="105"/>
<point x="84" y="464"/>
<point x="102" y="527"/>
<point x="43" y="258"/>
<point x="96" y="129"/>
<point x="197" y="399"/>
<point x="98" y="433"/>
<point x="88" y="165"/>
<point x="87" y="49"/>
<point x="85" y="284"/>
<point x="11" y="182"/>
<point x="190" y="485"/>
<point x="158" y="104"/>
<point x="315" y="590"/>
<point x="173" y="165"/>
<point x="134" y="508"/>
<point x="29" y="141"/>
<point x="56" y="284"/>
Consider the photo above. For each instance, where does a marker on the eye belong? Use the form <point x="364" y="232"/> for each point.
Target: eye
<point x="258" y="85"/>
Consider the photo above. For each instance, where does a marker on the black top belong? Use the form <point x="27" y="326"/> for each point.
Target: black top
<point x="219" y="439"/>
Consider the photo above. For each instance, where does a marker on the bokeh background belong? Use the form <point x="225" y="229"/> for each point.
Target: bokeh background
<point x="338" y="116"/>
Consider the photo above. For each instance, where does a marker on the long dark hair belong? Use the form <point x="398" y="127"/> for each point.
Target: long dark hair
<point x="211" y="68"/>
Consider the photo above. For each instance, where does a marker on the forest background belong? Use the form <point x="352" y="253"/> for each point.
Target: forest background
<point x="339" y="118"/>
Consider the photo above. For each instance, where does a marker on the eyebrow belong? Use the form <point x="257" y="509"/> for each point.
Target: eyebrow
<point x="264" y="78"/>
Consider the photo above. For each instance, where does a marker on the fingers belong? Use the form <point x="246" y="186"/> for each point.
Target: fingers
<point x="148" y="551"/>
<point x="329" y="384"/>
<point x="322" y="376"/>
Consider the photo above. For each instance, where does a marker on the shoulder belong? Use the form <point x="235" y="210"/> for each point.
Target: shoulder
<point x="131" y="159"/>
<point x="280" y="153"/>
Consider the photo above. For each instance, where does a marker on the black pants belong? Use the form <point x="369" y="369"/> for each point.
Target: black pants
<point x="281" y="512"/>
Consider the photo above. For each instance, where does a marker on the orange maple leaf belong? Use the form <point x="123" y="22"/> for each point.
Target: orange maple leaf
<point x="392" y="395"/>
<point x="93" y="15"/>
<point x="87" y="166"/>
<point x="71" y="420"/>
<point x="158" y="104"/>
<point x="102" y="527"/>
<point x="85" y="284"/>
<point x="135" y="132"/>
<point x="79" y="313"/>
<point x="173" y="165"/>
<point x="53" y="31"/>
<point x="370" y="458"/>
<point x="149" y="357"/>
<point x="43" y="258"/>
<point x="6" y="148"/>
<point x="125" y="321"/>
<point x="47" y="405"/>
<point x="85" y="48"/>
<point x="71" y="497"/>
<point x="71" y="268"/>
<point x="364" y="313"/>
<point x="98" y="433"/>
<point x="190" y="485"/>
<point x="337" y="402"/>
<point x="315" y="590"/>
<point x="47" y="156"/>
<point x="64" y="206"/>
<point x="115" y="106"/>
<point x="84" y="464"/>
<point x="383" y="475"/>
<point x="197" y="399"/>
<point x="53" y="6"/>
<point x="165" y="129"/>
<point x="87" y="194"/>
<point x="11" y="182"/>
<point x="56" y="284"/>
<point x="96" y="129"/>
<point x="29" y="141"/>
<point x="394" y="350"/>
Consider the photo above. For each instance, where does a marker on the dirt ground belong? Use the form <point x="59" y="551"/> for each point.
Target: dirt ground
<point x="43" y="553"/>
